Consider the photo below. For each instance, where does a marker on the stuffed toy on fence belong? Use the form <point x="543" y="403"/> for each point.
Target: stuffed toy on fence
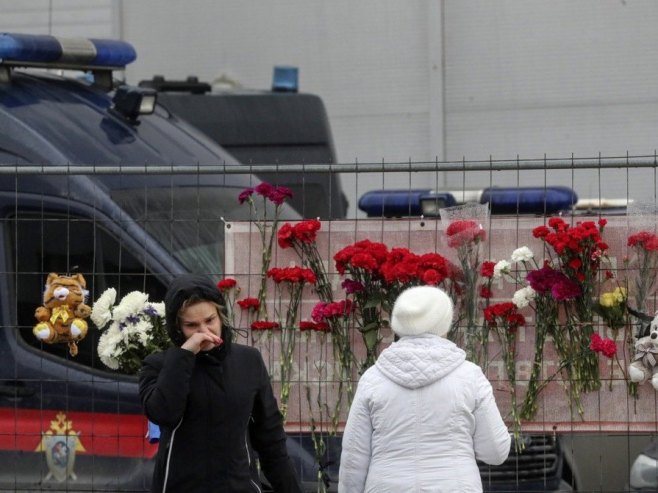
<point x="61" y="317"/>
<point x="644" y="366"/>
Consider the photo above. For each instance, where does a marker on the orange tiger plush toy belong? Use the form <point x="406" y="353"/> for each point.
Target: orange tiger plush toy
<point x="61" y="318"/>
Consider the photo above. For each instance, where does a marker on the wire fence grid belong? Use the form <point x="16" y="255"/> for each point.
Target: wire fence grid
<point x="133" y="227"/>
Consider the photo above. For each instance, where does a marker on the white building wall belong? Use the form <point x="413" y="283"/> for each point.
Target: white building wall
<point x="367" y="60"/>
<point x="59" y="17"/>
<point x="534" y="78"/>
<point x="424" y="79"/>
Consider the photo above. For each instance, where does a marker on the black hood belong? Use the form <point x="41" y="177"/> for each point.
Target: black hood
<point x="189" y="286"/>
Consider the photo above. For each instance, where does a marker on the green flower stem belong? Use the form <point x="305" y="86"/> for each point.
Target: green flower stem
<point x="370" y="335"/>
<point x="508" y="344"/>
<point x="287" y="339"/>
<point x="629" y="348"/>
<point x="342" y="347"/>
<point x="469" y="261"/>
<point x="267" y="235"/>
<point x="564" y="347"/>
<point x="529" y="406"/>
<point x="343" y="354"/>
<point x="319" y="445"/>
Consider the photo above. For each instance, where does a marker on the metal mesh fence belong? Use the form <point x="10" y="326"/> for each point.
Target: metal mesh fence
<point x="132" y="228"/>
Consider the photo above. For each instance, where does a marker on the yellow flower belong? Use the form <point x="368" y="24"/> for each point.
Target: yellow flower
<point x="607" y="300"/>
<point x="613" y="298"/>
<point x="620" y="294"/>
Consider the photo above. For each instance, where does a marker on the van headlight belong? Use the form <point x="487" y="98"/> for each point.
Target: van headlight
<point x="644" y="472"/>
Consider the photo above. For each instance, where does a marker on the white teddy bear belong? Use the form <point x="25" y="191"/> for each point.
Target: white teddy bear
<point x="645" y="361"/>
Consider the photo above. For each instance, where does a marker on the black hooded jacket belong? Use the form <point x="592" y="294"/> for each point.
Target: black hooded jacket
<point x="214" y="409"/>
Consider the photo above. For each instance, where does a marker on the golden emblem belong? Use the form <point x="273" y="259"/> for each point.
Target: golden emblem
<point x="60" y="443"/>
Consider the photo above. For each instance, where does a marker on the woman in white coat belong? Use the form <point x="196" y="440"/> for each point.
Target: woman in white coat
<point x="422" y="415"/>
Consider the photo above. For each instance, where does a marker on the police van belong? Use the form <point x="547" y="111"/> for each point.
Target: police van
<point x="96" y="178"/>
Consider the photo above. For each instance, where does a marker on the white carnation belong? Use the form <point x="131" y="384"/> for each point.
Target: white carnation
<point x="522" y="254"/>
<point x="502" y="267"/>
<point x="101" y="312"/>
<point x="523" y="297"/>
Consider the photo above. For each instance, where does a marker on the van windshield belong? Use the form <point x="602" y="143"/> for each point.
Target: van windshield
<point x="189" y="221"/>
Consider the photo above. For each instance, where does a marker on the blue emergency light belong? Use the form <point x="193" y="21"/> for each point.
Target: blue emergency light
<point x="501" y="200"/>
<point x="399" y="203"/>
<point x="285" y="79"/>
<point x="528" y="200"/>
<point x="46" y="50"/>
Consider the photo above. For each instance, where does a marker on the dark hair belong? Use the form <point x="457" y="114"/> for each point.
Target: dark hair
<point x="186" y="289"/>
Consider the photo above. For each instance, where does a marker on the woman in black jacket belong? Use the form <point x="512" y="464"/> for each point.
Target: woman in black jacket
<point x="213" y="402"/>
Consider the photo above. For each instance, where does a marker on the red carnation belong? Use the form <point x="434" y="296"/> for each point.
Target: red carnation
<point x="226" y="284"/>
<point x="249" y="304"/>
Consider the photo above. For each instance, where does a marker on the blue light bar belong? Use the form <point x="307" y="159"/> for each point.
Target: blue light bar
<point x="501" y="200"/>
<point x="32" y="47"/>
<point x="285" y="79"/>
<point x="401" y="203"/>
<point x="39" y="49"/>
<point x="528" y="200"/>
<point x="113" y="52"/>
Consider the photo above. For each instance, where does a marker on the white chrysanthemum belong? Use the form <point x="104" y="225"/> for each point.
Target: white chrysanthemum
<point x="101" y="312"/>
<point x="523" y="297"/>
<point x="144" y="332"/>
<point x="159" y="308"/>
<point x="115" y="340"/>
<point x="522" y="254"/>
<point x="106" y="351"/>
<point x="131" y="304"/>
<point x="138" y="331"/>
<point x="502" y="267"/>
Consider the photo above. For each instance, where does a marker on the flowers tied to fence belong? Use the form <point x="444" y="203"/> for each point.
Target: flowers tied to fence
<point x="270" y="195"/>
<point x="505" y="320"/>
<point x="374" y="276"/>
<point x="643" y="246"/>
<point x="558" y="295"/>
<point x="552" y="294"/>
<point x="579" y="251"/>
<point x="301" y="237"/>
<point x="289" y="285"/>
<point x="131" y="330"/>
<point x="465" y="234"/>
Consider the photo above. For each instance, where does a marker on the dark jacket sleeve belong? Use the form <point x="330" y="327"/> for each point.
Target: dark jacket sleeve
<point x="269" y="438"/>
<point x="164" y="384"/>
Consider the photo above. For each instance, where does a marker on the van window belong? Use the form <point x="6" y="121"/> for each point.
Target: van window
<point x="189" y="221"/>
<point x="68" y="244"/>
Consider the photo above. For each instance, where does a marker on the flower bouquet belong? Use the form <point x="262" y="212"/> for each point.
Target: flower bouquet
<point x="643" y="253"/>
<point x="301" y="237"/>
<point x="361" y="262"/>
<point x="290" y="280"/>
<point x="505" y="320"/>
<point x="270" y="194"/>
<point x="375" y="278"/>
<point x="578" y="251"/>
<point x="547" y="291"/>
<point x="465" y="233"/>
<point x="131" y="330"/>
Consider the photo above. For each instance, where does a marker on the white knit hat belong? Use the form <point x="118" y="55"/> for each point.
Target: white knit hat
<point x="422" y="310"/>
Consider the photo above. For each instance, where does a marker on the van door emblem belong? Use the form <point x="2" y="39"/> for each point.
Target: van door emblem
<point x="60" y="443"/>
